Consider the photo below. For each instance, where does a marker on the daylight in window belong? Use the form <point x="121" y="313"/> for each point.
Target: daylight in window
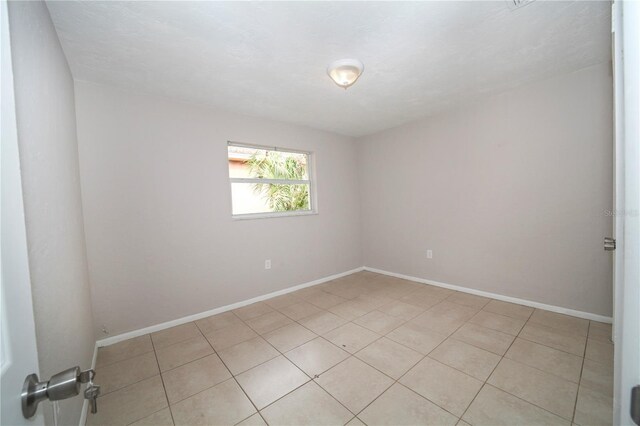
<point x="268" y="180"/>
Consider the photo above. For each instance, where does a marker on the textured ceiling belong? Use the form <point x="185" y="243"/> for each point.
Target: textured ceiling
<point x="269" y="59"/>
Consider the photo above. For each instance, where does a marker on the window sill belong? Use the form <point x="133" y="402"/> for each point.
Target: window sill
<point x="272" y="215"/>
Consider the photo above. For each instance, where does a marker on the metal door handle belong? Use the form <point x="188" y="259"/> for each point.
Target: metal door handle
<point x="61" y="386"/>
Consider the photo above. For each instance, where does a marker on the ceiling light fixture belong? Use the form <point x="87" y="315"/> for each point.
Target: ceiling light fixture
<point x="345" y="72"/>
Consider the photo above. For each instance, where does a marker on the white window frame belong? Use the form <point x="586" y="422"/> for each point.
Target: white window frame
<point x="311" y="182"/>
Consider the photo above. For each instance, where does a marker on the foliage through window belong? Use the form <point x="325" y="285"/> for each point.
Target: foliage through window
<point x="268" y="181"/>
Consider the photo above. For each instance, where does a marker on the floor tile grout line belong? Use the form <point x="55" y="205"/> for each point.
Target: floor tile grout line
<point x="321" y="336"/>
<point x="575" y="404"/>
<point x="383" y="335"/>
<point x="293" y="390"/>
<point x="304" y="384"/>
<point x="557" y="330"/>
<point x="331" y="343"/>
<point x="541" y="370"/>
<point x="200" y="391"/>
<point x="542" y="344"/>
<point x="203" y="390"/>
<point x="232" y="377"/>
<point x="135" y="383"/>
<point x="405" y="373"/>
<point x="285" y="357"/>
<point x="327" y="391"/>
<point x="149" y="415"/>
<point x="395" y="298"/>
<point x="552" y="330"/>
<point x="164" y="388"/>
<point x="457" y="339"/>
<point x="504" y="316"/>
<point x="486" y="381"/>
<point x="261" y="336"/>
<point x="579" y="384"/>
<point x="297" y="346"/>
<point x="593" y="389"/>
<point x="526" y="401"/>
<point x="435" y="348"/>
<point x="160" y="371"/>
<point x="376" y="331"/>
<point x="433" y="402"/>
<point x="278" y="328"/>
<point x="130" y="383"/>
<point x="153" y="344"/>
<point x="188" y="362"/>
<point x="516" y="396"/>
<point x="251" y="368"/>
<point x="125" y="359"/>
<point x="311" y="379"/>
<point x="397" y="381"/>
<point x="587" y="339"/>
<point x="392" y="378"/>
<point x="488" y="299"/>
<point x="467" y="321"/>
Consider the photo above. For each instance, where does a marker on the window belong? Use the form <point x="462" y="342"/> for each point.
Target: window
<point x="269" y="181"/>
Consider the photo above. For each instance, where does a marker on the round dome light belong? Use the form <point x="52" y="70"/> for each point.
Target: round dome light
<point x="345" y="72"/>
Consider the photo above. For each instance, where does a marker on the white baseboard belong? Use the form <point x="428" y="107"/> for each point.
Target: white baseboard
<point x="158" y="327"/>
<point x="552" y="308"/>
<point x="140" y="332"/>
<point x="85" y="404"/>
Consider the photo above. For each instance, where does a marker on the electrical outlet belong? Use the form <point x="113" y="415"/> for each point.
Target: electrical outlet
<point x="267" y="264"/>
<point x="429" y="254"/>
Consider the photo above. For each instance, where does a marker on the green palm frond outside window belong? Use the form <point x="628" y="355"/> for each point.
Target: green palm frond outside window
<point x="273" y="165"/>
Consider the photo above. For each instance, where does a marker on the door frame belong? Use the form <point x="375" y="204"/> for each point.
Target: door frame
<point x="626" y="55"/>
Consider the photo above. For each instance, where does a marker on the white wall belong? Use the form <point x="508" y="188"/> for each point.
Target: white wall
<point x="510" y="194"/>
<point x="46" y="125"/>
<point x="161" y="243"/>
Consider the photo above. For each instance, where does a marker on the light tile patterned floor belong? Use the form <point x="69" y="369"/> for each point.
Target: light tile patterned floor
<point x="364" y="349"/>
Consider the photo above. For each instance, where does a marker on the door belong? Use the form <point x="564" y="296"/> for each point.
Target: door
<point x="18" y="351"/>
<point x="627" y="261"/>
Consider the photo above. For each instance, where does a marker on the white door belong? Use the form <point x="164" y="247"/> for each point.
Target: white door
<point x="627" y="278"/>
<point x="18" y="355"/>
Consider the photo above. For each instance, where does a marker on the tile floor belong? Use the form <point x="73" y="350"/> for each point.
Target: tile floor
<point x="364" y="349"/>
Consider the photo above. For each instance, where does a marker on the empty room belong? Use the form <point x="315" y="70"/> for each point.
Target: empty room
<point x="320" y="213"/>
